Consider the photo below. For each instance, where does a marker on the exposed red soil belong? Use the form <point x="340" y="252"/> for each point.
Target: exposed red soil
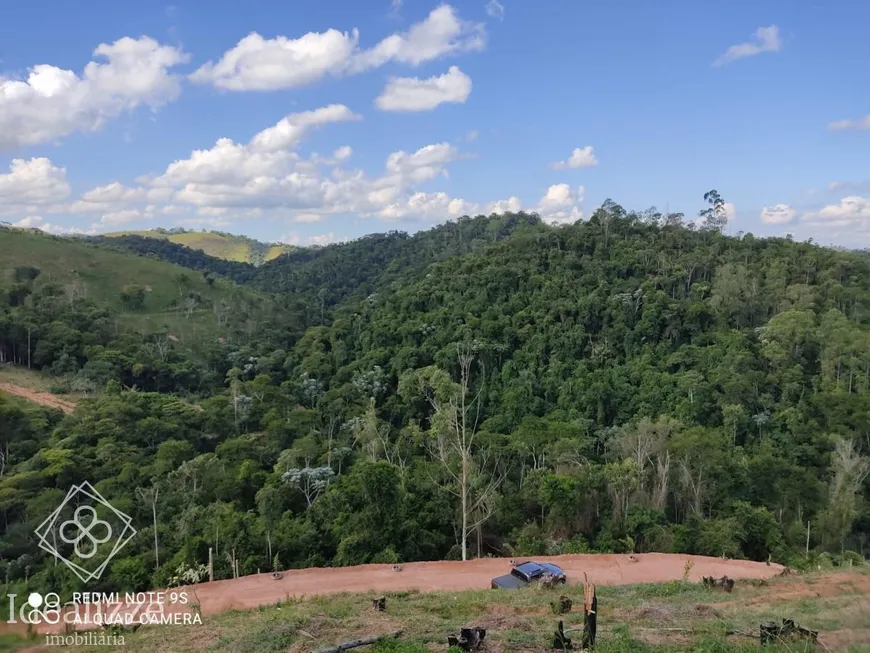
<point x="43" y="398"/>
<point x="825" y="586"/>
<point x="843" y="640"/>
<point x="602" y="569"/>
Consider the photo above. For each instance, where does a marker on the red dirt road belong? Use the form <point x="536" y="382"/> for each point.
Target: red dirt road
<point x="43" y="398"/>
<point x="602" y="569"/>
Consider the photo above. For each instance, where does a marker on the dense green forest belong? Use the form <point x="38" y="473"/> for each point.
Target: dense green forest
<point x="492" y="386"/>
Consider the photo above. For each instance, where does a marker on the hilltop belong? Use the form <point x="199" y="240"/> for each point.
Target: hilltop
<point x="218" y="244"/>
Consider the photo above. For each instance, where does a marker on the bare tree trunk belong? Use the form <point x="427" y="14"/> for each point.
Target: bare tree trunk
<point x="154" y="514"/>
<point x="464" y="492"/>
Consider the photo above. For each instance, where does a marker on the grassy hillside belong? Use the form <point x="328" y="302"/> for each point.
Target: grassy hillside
<point x="217" y="244"/>
<point x="100" y="275"/>
<point x="676" y="616"/>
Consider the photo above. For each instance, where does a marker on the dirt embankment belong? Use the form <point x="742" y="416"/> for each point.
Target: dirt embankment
<point x="42" y="398"/>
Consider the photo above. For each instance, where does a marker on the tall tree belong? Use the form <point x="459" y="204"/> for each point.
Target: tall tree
<point x="451" y="438"/>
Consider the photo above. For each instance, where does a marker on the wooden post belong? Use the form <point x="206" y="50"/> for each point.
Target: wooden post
<point x="210" y="565"/>
<point x="590" y="621"/>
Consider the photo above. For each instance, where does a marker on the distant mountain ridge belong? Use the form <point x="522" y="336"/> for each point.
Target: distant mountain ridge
<point x="218" y="244"/>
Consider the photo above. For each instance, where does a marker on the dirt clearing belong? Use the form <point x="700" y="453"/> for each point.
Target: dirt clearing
<point x="42" y="398"/>
<point x="602" y="569"/>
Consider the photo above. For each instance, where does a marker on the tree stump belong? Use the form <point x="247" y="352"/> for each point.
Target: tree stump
<point x="562" y="606"/>
<point x="561" y="642"/>
<point x="469" y="638"/>
<point x="590" y="615"/>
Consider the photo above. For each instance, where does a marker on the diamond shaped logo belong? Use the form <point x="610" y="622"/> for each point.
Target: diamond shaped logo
<point x="85" y="532"/>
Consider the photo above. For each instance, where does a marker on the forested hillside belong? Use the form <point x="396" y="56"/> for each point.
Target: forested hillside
<point x="166" y="250"/>
<point x="322" y="277"/>
<point x="492" y="386"/>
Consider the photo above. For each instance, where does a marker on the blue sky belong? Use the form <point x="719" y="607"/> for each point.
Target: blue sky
<point x="400" y="115"/>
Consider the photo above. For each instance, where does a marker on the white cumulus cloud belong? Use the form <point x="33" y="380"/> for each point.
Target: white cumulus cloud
<point x="778" y="214"/>
<point x="32" y="183"/>
<point x="37" y="222"/>
<point x="560" y="204"/>
<point x="441" y="33"/>
<point x="433" y="207"/>
<point x="258" y="64"/>
<point x="290" y="129"/>
<point x="415" y="94"/>
<point x="510" y="205"/>
<point x="53" y="102"/>
<point x="581" y="157"/>
<point x="851" y="211"/>
<point x="766" y="40"/>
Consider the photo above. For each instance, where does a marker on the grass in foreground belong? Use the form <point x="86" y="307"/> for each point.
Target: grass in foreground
<point x="676" y="616"/>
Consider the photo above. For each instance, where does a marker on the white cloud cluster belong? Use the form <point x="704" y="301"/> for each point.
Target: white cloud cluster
<point x="32" y="183"/>
<point x="441" y="33"/>
<point x="581" y="157"/>
<point x="258" y="64"/>
<point x="561" y="205"/>
<point x="296" y="240"/>
<point x="778" y="214"/>
<point x="53" y="102"/>
<point x="852" y="212"/>
<point x="267" y="178"/>
<point x="510" y="205"/>
<point x="766" y="40"/>
<point x="37" y="222"/>
<point x="843" y="125"/>
<point x="267" y="175"/>
<point x="415" y="94"/>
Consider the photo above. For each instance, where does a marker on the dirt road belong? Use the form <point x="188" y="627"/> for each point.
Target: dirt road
<point x="43" y="398"/>
<point x="602" y="569"/>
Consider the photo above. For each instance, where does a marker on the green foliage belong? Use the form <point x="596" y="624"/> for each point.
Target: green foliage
<point x="530" y="541"/>
<point x="133" y="296"/>
<point x="25" y="273"/>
